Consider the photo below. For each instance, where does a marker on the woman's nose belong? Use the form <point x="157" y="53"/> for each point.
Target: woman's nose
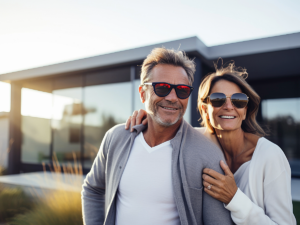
<point x="228" y="104"/>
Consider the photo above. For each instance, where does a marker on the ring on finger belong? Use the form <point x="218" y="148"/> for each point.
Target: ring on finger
<point x="209" y="187"/>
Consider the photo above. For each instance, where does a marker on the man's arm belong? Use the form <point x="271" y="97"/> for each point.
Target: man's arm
<point x="93" y="189"/>
<point x="214" y="212"/>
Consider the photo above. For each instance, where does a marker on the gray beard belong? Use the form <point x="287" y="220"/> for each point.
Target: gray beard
<point x="166" y="123"/>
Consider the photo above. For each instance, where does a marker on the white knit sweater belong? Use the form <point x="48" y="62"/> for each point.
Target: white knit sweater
<point x="269" y="201"/>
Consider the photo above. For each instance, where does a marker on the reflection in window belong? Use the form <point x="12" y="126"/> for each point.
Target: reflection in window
<point x="36" y="109"/>
<point x="282" y="117"/>
<point x="66" y="124"/>
<point x="106" y="106"/>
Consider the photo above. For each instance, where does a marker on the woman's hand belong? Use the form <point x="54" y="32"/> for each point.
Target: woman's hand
<point x="221" y="187"/>
<point x="137" y="118"/>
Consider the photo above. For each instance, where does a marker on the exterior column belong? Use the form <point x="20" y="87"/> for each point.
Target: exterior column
<point x="197" y="80"/>
<point x="15" y="138"/>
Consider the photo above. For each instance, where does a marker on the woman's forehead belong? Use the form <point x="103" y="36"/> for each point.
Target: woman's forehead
<point x="226" y="87"/>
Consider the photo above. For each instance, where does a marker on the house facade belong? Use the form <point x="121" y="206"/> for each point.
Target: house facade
<point x="62" y="111"/>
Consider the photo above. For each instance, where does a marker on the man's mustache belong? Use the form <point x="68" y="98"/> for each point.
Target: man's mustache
<point x="169" y="104"/>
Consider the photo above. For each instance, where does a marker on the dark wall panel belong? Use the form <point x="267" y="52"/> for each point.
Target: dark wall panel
<point x="197" y="80"/>
<point x="108" y="76"/>
<point x="68" y="82"/>
<point x="277" y="88"/>
<point x="270" y="65"/>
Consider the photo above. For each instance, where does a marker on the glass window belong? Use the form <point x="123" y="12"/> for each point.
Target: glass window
<point x="67" y="120"/>
<point x="188" y="114"/>
<point x="282" y="117"/>
<point x="66" y="124"/>
<point x="137" y="100"/>
<point x="105" y="106"/>
<point x="36" y="109"/>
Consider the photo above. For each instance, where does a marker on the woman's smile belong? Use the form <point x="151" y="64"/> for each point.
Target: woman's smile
<point x="227" y="117"/>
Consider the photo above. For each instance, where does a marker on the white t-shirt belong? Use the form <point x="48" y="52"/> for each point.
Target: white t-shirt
<point x="145" y="193"/>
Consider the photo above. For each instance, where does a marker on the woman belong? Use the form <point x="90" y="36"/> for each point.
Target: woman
<point x="256" y="187"/>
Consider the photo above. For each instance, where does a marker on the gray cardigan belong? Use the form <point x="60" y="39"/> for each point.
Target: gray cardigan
<point x="192" y="152"/>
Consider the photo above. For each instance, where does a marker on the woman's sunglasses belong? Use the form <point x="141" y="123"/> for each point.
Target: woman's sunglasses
<point x="162" y="89"/>
<point x="239" y="100"/>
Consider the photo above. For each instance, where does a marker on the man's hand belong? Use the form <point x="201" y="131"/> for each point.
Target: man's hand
<point x="221" y="187"/>
<point x="137" y="118"/>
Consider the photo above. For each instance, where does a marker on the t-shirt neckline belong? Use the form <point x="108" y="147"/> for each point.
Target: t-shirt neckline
<point x="152" y="149"/>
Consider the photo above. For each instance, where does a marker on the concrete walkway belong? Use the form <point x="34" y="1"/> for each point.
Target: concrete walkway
<point x="68" y="182"/>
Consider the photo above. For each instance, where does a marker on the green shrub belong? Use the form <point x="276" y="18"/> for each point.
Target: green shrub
<point x="296" y="206"/>
<point x="59" y="208"/>
<point x="12" y="202"/>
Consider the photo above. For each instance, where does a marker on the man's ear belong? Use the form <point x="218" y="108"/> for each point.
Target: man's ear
<point x="142" y="94"/>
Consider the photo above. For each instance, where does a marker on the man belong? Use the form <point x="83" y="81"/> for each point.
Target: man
<point x="153" y="175"/>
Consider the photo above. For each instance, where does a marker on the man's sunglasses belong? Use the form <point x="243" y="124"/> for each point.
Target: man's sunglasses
<point x="239" y="100"/>
<point x="162" y="89"/>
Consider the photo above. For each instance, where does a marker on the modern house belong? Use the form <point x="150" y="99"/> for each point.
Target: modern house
<point x="64" y="110"/>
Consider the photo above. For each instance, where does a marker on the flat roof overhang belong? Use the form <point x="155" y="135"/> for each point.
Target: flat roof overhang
<point x="277" y="56"/>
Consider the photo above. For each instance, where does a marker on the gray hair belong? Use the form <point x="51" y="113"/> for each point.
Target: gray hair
<point x="168" y="57"/>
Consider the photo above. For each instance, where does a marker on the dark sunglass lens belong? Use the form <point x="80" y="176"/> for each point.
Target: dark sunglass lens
<point x="217" y="99"/>
<point x="239" y="100"/>
<point x="183" y="91"/>
<point x="162" y="89"/>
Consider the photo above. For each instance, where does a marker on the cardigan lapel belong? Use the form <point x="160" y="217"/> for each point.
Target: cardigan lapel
<point x="177" y="176"/>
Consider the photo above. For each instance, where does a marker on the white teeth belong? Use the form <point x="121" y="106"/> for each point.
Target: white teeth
<point x="227" y="117"/>
<point x="169" y="108"/>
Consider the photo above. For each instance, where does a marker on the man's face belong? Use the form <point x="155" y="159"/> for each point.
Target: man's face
<point x="170" y="109"/>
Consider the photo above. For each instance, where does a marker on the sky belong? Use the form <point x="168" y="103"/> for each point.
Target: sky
<point x="35" y="33"/>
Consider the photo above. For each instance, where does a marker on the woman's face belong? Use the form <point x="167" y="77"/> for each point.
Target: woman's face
<point x="216" y="114"/>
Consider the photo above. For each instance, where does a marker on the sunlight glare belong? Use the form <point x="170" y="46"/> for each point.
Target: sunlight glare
<point x="40" y="104"/>
<point x="36" y="103"/>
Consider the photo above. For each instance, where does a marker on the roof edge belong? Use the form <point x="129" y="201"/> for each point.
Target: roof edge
<point x="125" y="56"/>
<point x="191" y="44"/>
<point x="269" y="44"/>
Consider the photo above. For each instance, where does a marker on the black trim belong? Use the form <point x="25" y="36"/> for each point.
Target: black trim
<point x="15" y="136"/>
<point x="195" y="115"/>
